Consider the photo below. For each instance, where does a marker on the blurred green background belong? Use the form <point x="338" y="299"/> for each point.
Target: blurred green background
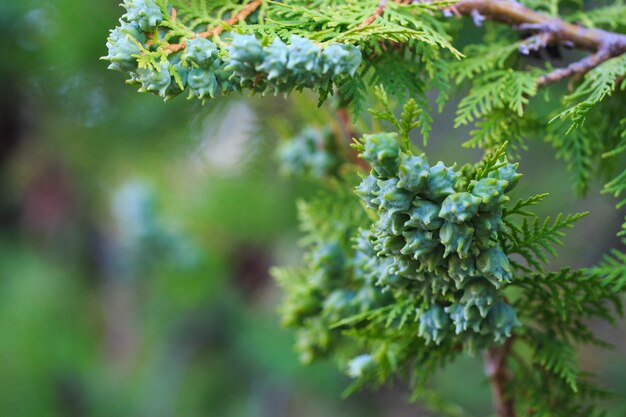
<point x="136" y="237"/>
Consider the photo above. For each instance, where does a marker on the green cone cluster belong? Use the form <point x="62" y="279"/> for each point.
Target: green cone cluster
<point x="312" y="153"/>
<point x="437" y="240"/>
<point x="206" y="70"/>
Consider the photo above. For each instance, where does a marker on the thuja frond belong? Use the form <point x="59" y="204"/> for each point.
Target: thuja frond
<point x="534" y="239"/>
<point x="314" y="215"/>
<point x="498" y="90"/>
<point x="491" y="162"/>
<point x="403" y="80"/>
<point x="579" y="148"/>
<point x="410" y="118"/>
<point x="352" y="92"/>
<point x="560" y="302"/>
<point x="545" y="387"/>
<point x="611" y="17"/>
<point x="617" y="186"/>
<point x="558" y="357"/>
<point x="502" y="125"/>
<point x="612" y="270"/>
<point x="482" y="59"/>
<point x="598" y="84"/>
<point x="519" y="208"/>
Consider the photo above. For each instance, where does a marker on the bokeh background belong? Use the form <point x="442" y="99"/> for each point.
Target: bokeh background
<point x="136" y="238"/>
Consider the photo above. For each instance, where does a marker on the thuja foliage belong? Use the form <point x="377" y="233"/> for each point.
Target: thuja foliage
<point x="412" y="262"/>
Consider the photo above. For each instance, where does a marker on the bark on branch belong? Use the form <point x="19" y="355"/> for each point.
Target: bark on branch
<point x="498" y="374"/>
<point x="603" y="44"/>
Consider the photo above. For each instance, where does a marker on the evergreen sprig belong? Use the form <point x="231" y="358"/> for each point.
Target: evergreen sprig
<point x="434" y="261"/>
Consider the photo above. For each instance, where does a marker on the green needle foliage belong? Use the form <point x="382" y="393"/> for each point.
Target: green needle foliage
<point x="413" y="263"/>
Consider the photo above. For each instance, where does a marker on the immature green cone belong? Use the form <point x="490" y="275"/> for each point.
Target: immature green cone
<point x="413" y="173"/>
<point x="145" y="12"/>
<point x="459" y="207"/>
<point x="456" y="238"/>
<point x="487" y="225"/>
<point x="340" y="59"/>
<point x="275" y="60"/>
<point x="441" y="181"/>
<point x="464" y="318"/>
<point x="388" y="244"/>
<point x="502" y="319"/>
<point x="508" y="173"/>
<point x="391" y="197"/>
<point x="494" y="265"/>
<point x="368" y="190"/>
<point x="433" y="324"/>
<point x="201" y="52"/>
<point x="461" y="270"/>
<point x="245" y="54"/>
<point x="392" y="222"/>
<point x="424" y="214"/>
<point x="418" y="243"/>
<point x="155" y="81"/>
<point x="361" y="366"/>
<point x="202" y="83"/>
<point x="382" y="151"/>
<point x="491" y="192"/>
<point x="123" y="45"/>
<point x="480" y="295"/>
<point x="304" y="55"/>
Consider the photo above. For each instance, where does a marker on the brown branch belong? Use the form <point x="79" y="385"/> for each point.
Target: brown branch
<point x="576" y="68"/>
<point x="349" y="133"/>
<point x="239" y="17"/>
<point x="604" y="45"/>
<point x="242" y="15"/>
<point x="379" y="11"/>
<point x="499" y="377"/>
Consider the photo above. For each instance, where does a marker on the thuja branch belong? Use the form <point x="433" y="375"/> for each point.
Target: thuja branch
<point x="603" y="44"/>
<point x="498" y="374"/>
<point x="379" y="11"/>
<point x="242" y="15"/>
